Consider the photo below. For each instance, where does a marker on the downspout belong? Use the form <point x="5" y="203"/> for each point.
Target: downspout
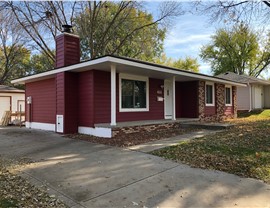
<point x="250" y="97"/>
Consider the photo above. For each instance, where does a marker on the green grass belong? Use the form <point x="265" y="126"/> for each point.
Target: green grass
<point x="8" y="203"/>
<point x="243" y="150"/>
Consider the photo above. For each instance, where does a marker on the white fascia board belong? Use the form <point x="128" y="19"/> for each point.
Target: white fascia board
<point x="63" y="69"/>
<point x="124" y="62"/>
<point x="173" y="72"/>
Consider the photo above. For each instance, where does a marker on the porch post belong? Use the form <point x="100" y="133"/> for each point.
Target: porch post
<point x="173" y="100"/>
<point x="113" y="95"/>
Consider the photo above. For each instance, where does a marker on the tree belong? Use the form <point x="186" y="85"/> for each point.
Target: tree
<point x="42" y="20"/>
<point x="39" y="63"/>
<point x="235" y="11"/>
<point x="14" y="57"/>
<point x="237" y="50"/>
<point x="189" y="63"/>
<point x="121" y="28"/>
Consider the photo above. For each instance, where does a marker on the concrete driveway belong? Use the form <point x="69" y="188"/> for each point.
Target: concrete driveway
<point x="93" y="175"/>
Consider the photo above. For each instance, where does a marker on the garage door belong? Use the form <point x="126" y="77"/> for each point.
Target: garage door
<point x="4" y="105"/>
<point x="258" y="97"/>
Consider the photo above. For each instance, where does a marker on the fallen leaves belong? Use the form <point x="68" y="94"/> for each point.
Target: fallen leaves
<point x="242" y="150"/>
<point x="17" y="192"/>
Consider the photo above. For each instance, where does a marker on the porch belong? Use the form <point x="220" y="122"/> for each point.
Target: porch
<point x="145" y="123"/>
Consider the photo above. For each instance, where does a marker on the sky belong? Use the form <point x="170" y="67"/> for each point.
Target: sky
<point x="187" y="35"/>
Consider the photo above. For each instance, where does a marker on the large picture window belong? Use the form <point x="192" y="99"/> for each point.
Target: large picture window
<point x="209" y="94"/>
<point x="133" y="94"/>
<point x="228" y="96"/>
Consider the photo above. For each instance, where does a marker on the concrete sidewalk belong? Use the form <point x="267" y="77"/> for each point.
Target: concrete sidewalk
<point x="159" y="144"/>
<point x="93" y="175"/>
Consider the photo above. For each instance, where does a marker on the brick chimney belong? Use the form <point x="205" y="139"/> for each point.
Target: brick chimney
<point x="67" y="48"/>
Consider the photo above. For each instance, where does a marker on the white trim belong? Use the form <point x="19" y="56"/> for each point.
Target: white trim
<point x="60" y="123"/>
<point x="42" y="126"/>
<point x="116" y="61"/>
<point x="173" y="99"/>
<point x="230" y="87"/>
<point x="113" y="95"/>
<point x="97" y="131"/>
<point x="136" y="78"/>
<point x="213" y="94"/>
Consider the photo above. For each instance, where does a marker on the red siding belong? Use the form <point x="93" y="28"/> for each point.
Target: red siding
<point x="60" y="93"/>
<point x="102" y="93"/>
<point x="186" y="99"/>
<point x="67" y="50"/>
<point x="228" y="110"/>
<point x="86" y="98"/>
<point x="43" y="108"/>
<point x="210" y="110"/>
<point x="156" y="108"/>
<point x="71" y="103"/>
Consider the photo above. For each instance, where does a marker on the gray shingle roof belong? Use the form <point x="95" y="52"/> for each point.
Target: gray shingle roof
<point x="4" y="88"/>
<point x="243" y="78"/>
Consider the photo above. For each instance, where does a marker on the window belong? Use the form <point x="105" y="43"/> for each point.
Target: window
<point x="133" y="93"/>
<point x="209" y="94"/>
<point x="228" y="96"/>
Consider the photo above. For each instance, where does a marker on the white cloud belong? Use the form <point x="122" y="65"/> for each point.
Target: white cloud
<point x="172" y="41"/>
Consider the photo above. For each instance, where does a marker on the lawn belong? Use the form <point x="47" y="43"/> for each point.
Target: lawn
<point x="243" y="150"/>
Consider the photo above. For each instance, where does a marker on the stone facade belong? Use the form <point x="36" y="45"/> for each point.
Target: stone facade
<point x="219" y="114"/>
<point x="145" y="128"/>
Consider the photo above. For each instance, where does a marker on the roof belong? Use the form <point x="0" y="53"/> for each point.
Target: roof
<point x="243" y="78"/>
<point x="7" y="89"/>
<point x="127" y="65"/>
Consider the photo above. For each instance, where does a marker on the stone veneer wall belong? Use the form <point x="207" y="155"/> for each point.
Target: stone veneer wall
<point x="145" y="128"/>
<point x="219" y="103"/>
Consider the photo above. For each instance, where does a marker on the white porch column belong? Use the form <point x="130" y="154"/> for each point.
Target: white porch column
<point x="113" y="95"/>
<point x="173" y="99"/>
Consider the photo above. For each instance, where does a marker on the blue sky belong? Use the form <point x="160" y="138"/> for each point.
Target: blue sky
<point x="187" y="35"/>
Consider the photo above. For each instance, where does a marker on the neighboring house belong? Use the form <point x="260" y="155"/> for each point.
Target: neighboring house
<point x="11" y="99"/>
<point x="93" y="96"/>
<point x="255" y="96"/>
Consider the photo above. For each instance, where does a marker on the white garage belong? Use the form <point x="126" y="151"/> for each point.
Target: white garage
<point x="11" y="99"/>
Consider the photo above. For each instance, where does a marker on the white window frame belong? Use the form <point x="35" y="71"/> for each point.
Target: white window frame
<point x="213" y="94"/>
<point x="230" y="87"/>
<point x="135" y="78"/>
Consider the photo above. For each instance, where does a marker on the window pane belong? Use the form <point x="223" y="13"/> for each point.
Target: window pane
<point x="133" y="94"/>
<point x="209" y="94"/>
<point x="228" y="95"/>
<point x="127" y="93"/>
<point x="140" y="94"/>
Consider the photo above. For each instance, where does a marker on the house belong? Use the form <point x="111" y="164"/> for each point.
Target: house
<point x="94" y="96"/>
<point x="11" y="99"/>
<point x="255" y="96"/>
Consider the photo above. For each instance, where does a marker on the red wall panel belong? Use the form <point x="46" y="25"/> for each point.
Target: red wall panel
<point x="186" y="99"/>
<point x="228" y="110"/>
<point x="210" y="110"/>
<point x="60" y="93"/>
<point x="43" y="108"/>
<point x="156" y="108"/>
<point x="86" y="98"/>
<point x="102" y="93"/>
<point x="71" y="103"/>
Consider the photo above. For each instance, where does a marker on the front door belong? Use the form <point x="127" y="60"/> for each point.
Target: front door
<point x="168" y="99"/>
<point x="258" y="97"/>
